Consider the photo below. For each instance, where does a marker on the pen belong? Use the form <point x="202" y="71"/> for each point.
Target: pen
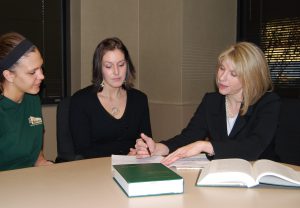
<point x="147" y="147"/>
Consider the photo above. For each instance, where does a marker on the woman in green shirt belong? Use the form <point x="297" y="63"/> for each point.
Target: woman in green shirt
<point x="21" y="123"/>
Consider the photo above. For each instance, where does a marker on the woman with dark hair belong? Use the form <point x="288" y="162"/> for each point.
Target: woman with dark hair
<point x="21" y="123"/>
<point x="108" y="116"/>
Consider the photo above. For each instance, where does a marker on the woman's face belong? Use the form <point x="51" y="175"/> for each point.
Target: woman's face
<point x="28" y="74"/>
<point x="114" y="67"/>
<point x="227" y="80"/>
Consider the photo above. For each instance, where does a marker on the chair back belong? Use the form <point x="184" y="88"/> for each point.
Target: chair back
<point x="287" y="140"/>
<point x="65" y="145"/>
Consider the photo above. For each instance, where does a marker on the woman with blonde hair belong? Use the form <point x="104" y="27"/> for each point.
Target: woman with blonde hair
<point x="238" y="121"/>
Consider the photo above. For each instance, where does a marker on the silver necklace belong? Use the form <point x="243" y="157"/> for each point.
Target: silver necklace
<point x="229" y="114"/>
<point x="115" y="111"/>
<point x="230" y="118"/>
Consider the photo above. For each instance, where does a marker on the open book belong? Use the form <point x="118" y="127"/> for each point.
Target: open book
<point x="239" y="172"/>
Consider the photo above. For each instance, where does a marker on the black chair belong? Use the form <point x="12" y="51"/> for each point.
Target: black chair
<point x="287" y="140"/>
<point x="65" y="145"/>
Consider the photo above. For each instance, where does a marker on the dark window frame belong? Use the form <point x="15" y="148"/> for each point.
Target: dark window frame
<point x="47" y="24"/>
<point x="270" y="25"/>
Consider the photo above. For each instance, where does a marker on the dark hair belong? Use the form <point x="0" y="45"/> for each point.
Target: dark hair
<point x="8" y="42"/>
<point x="111" y="44"/>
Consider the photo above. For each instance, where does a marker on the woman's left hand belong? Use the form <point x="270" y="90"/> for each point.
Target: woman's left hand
<point x="188" y="151"/>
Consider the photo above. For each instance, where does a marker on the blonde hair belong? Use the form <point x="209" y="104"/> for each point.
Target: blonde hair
<point x="252" y="70"/>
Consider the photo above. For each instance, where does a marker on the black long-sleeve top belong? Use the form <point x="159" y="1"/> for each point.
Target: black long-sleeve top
<point x="96" y="133"/>
<point x="251" y="136"/>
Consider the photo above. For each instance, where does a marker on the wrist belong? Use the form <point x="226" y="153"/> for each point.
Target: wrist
<point x="161" y="149"/>
<point x="208" y="148"/>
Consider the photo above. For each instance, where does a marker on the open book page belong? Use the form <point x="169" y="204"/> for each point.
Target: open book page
<point x="270" y="172"/>
<point x="198" y="161"/>
<point x="227" y="172"/>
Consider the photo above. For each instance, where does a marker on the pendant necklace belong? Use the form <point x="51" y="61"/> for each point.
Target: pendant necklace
<point x="115" y="111"/>
<point x="230" y="117"/>
<point x="229" y="114"/>
<point x="112" y="107"/>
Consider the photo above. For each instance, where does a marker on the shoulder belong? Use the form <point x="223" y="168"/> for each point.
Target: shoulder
<point x="213" y="99"/>
<point x="270" y="101"/>
<point x="32" y="104"/>
<point x="213" y="96"/>
<point x="136" y="94"/>
<point x="212" y="103"/>
<point x="83" y="98"/>
<point x="32" y="99"/>
<point x="269" y="97"/>
<point x="84" y="93"/>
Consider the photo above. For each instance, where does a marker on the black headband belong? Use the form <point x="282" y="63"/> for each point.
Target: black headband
<point x="15" y="54"/>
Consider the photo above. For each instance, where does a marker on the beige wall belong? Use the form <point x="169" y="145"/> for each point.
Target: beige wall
<point x="107" y="18"/>
<point x="173" y="44"/>
<point x="179" y="44"/>
<point x="49" y="115"/>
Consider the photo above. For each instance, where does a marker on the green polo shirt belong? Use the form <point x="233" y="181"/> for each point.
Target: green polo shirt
<point x="21" y="132"/>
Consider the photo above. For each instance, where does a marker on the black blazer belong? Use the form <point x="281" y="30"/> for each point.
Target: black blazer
<point x="251" y="136"/>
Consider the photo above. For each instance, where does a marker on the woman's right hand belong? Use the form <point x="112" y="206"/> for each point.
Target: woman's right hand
<point x="146" y="143"/>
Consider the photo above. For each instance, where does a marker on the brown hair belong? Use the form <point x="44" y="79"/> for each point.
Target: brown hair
<point x="8" y="42"/>
<point x="111" y="44"/>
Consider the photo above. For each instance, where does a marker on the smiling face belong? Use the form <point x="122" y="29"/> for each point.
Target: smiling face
<point x="114" y="67"/>
<point x="27" y="75"/>
<point x="227" y="79"/>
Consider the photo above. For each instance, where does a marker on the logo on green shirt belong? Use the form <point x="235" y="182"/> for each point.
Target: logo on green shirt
<point x="34" y="121"/>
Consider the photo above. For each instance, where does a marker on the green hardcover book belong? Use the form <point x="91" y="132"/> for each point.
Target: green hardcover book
<point x="147" y="179"/>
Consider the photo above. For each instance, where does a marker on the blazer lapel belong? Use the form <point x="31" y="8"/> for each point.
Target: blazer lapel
<point x="238" y="125"/>
<point x="219" y="118"/>
<point x="240" y="122"/>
